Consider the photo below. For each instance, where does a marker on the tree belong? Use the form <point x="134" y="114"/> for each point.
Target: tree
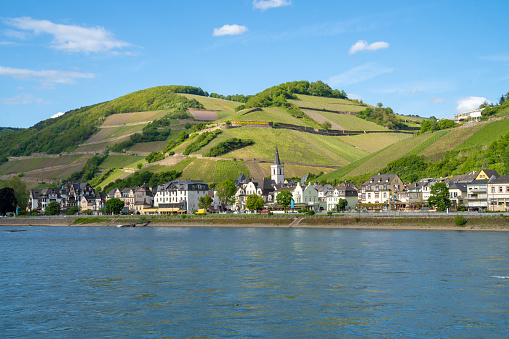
<point x="114" y="206"/>
<point x="326" y="125"/>
<point x="226" y="193"/>
<point x="341" y="205"/>
<point x="73" y="210"/>
<point x="284" y="199"/>
<point x="205" y="202"/>
<point x="439" y="196"/>
<point x="254" y="202"/>
<point x="7" y="200"/>
<point x="53" y="208"/>
<point x="20" y="191"/>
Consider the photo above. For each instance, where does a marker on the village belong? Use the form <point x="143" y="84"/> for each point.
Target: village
<point x="482" y="190"/>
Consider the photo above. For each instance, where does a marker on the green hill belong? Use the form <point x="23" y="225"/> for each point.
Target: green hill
<point x="145" y="121"/>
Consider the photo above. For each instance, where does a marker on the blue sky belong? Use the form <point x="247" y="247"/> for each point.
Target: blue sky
<point x="417" y="57"/>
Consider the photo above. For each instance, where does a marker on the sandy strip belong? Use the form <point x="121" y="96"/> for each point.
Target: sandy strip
<point x="473" y="224"/>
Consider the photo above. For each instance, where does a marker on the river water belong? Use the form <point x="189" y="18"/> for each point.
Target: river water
<point x="66" y="282"/>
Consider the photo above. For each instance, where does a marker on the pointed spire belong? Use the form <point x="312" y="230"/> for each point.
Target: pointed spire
<point x="276" y="159"/>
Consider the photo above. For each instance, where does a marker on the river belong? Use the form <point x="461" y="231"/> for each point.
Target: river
<point x="181" y="282"/>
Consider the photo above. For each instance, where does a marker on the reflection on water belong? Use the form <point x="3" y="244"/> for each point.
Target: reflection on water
<point x="249" y="282"/>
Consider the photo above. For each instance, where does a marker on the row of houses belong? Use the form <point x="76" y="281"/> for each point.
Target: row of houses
<point x="181" y="196"/>
<point x="476" y="190"/>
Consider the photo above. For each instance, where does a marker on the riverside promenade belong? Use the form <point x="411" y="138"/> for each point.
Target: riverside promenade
<point x="351" y="220"/>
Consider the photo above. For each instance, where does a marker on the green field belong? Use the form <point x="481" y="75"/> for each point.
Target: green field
<point x="57" y="174"/>
<point x="269" y="114"/>
<point x="351" y="122"/>
<point x="293" y="146"/>
<point x="223" y="108"/>
<point x="449" y="141"/>
<point x="114" y="132"/>
<point x="374" y="142"/>
<point x="155" y="146"/>
<point x="116" y="174"/>
<point x="17" y="166"/>
<point x="379" y="160"/>
<point x="130" y="118"/>
<point x="332" y="104"/>
<point x="429" y="142"/>
<point x="120" y="161"/>
<point x="487" y="134"/>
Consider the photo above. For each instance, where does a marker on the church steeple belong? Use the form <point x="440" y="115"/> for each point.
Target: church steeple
<point x="276" y="158"/>
<point x="277" y="170"/>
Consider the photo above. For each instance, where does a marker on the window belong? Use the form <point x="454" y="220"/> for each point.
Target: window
<point x="493" y="189"/>
<point x="500" y="189"/>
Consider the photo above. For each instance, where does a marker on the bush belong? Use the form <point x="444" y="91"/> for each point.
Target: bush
<point x="357" y="219"/>
<point x="310" y="213"/>
<point x="460" y="220"/>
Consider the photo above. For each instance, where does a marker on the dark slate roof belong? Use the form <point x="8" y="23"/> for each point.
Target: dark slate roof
<point x="240" y="179"/>
<point x="461" y="186"/>
<point x="465" y="178"/>
<point x="478" y="182"/>
<point x="489" y="173"/>
<point x="276" y="158"/>
<point x="380" y="179"/>
<point x="504" y="179"/>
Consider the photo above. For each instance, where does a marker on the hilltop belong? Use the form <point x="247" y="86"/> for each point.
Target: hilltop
<point x="318" y="131"/>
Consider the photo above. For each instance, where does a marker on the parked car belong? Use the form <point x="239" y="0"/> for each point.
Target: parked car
<point x="264" y="211"/>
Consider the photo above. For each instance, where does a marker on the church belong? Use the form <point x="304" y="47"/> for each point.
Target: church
<point x="277" y="171"/>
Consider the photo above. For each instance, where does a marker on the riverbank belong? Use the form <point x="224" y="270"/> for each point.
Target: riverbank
<point x="473" y="223"/>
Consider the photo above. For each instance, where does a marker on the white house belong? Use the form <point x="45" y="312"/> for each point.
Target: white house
<point x="474" y="115"/>
<point x="180" y="193"/>
<point x="344" y="190"/>
<point x="498" y="193"/>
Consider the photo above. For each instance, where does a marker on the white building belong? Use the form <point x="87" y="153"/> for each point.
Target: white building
<point x="474" y="115"/>
<point x="277" y="171"/>
<point x="345" y="191"/>
<point x="498" y="193"/>
<point x="180" y="193"/>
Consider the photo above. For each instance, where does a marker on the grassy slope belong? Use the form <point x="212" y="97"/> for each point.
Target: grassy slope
<point x="293" y="146"/>
<point x="223" y="108"/>
<point x="449" y="142"/>
<point x="333" y="104"/>
<point x="487" y="134"/>
<point x="129" y="118"/>
<point x="351" y="122"/>
<point x="120" y="161"/>
<point x="269" y="114"/>
<point x="374" y="142"/>
<point x="17" y="166"/>
<point x="379" y="160"/>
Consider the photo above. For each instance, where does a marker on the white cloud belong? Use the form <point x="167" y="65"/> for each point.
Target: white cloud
<point x="415" y="90"/>
<point x="45" y="76"/>
<point x="23" y="99"/>
<point x="230" y="30"/>
<point x="59" y="114"/>
<point x="266" y="4"/>
<point x="470" y="103"/>
<point x="358" y="74"/>
<point x="70" y="38"/>
<point x="363" y="45"/>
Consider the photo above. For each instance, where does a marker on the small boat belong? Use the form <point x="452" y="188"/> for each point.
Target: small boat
<point x="127" y="225"/>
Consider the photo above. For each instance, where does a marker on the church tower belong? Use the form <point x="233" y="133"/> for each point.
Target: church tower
<point x="277" y="170"/>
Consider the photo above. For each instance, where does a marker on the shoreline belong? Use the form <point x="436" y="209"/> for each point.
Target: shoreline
<point x="491" y="224"/>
